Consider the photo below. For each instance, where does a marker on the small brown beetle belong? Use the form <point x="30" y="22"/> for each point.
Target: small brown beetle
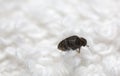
<point x="72" y="42"/>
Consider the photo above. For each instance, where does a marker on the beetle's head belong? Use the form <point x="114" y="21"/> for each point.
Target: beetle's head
<point x="83" y="41"/>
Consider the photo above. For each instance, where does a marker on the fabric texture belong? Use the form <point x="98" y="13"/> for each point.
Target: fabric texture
<point x="30" y="31"/>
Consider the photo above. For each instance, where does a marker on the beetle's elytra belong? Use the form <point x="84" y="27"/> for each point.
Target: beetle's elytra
<point x="72" y="42"/>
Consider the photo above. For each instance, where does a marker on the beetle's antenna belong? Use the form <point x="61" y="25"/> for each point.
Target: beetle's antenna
<point x="87" y="45"/>
<point x="89" y="48"/>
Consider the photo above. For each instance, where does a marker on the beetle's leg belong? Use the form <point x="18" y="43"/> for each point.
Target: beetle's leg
<point x="78" y="50"/>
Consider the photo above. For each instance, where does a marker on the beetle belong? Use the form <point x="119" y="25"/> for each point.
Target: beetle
<point x="72" y="43"/>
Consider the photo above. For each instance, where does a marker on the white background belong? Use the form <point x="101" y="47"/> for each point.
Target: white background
<point x="30" y="31"/>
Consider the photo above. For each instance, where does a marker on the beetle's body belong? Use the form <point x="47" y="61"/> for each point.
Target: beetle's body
<point x="72" y="42"/>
